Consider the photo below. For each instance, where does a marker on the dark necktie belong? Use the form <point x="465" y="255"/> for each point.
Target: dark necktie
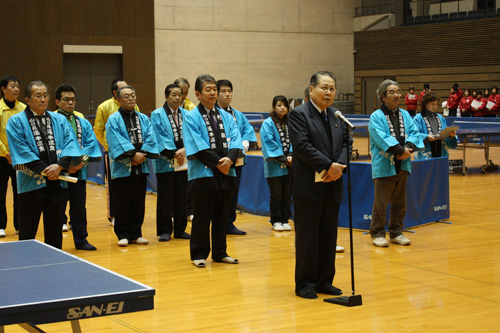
<point x="213" y="121"/>
<point x="323" y="115"/>
<point x="42" y="125"/>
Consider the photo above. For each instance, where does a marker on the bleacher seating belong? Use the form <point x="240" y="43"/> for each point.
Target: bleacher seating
<point x="455" y="16"/>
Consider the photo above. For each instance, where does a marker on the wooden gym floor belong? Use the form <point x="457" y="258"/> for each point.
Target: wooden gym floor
<point x="448" y="280"/>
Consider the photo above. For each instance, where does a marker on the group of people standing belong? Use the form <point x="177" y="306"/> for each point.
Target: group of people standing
<point x="466" y="103"/>
<point x="201" y="151"/>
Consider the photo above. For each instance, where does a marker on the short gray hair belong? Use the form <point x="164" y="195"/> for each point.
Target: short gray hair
<point x="29" y="88"/>
<point x="119" y="91"/>
<point x="382" y="88"/>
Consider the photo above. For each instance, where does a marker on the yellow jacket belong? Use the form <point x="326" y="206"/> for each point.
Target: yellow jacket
<point x="104" y="110"/>
<point x="188" y="105"/>
<point x="5" y="114"/>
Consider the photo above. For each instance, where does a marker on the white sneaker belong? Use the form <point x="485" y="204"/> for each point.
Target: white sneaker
<point x="401" y="240"/>
<point x="140" y="241"/>
<point x="123" y="242"/>
<point x="339" y="249"/>
<point x="113" y="222"/>
<point x="380" y="242"/>
<point x="278" y="226"/>
<point x="2" y="233"/>
<point x="190" y="218"/>
<point x="17" y="231"/>
<point x="65" y="228"/>
<point x="286" y="226"/>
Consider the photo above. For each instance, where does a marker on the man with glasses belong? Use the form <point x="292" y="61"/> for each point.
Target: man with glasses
<point x="42" y="144"/>
<point x="104" y="110"/>
<point x="393" y="137"/>
<point x="76" y="193"/>
<point x="9" y="106"/>
<point x="320" y="151"/>
<point x="131" y="141"/>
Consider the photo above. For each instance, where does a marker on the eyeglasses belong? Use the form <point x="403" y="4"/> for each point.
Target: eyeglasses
<point x="131" y="96"/>
<point x="394" y="92"/>
<point x="40" y="97"/>
<point x="68" y="100"/>
<point x="327" y="89"/>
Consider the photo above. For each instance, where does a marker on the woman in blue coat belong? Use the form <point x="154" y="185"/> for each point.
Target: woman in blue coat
<point x="429" y="124"/>
<point x="277" y="151"/>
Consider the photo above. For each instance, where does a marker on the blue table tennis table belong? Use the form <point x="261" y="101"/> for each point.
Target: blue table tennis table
<point x="486" y="133"/>
<point x="42" y="284"/>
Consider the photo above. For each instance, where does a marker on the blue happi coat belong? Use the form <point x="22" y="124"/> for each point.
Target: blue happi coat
<point x="247" y="132"/>
<point x="383" y="163"/>
<point x="23" y="149"/>
<point x="165" y="138"/>
<point x="119" y="143"/>
<point x="445" y="144"/>
<point x="195" y="133"/>
<point x="271" y="147"/>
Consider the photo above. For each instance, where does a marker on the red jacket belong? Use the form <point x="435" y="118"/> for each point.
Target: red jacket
<point x="480" y="111"/>
<point x="411" y="104"/>
<point x="454" y="99"/>
<point x="422" y="95"/>
<point x="494" y="109"/>
<point x="465" y="104"/>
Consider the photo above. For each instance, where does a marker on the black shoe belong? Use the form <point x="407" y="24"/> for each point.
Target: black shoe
<point x="307" y="292"/>
<point x="86" y="247"/>
<point x="184" y="235"/>
<point x="235" y="231"/>
<point x="330" y="290"/>
<point x="164" y="237"/>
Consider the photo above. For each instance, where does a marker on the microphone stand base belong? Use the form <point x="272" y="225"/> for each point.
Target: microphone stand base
<point x="354" y="300"/>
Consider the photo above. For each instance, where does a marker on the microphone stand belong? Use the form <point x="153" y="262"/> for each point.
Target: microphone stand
<point x="353" y="300"/>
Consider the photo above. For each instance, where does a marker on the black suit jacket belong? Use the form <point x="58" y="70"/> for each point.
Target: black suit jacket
<point x="313" y="152"/>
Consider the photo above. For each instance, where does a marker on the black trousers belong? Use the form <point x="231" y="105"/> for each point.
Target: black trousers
<point x="76" y="194"/>
<point x="452" y="113"/>
<point x="280" y="201"/>
<point x="171" y="202"/>
<point x="316" y="224"/>
<point x="31" y="206"/>
<point x="109" y="192"/>
<point x="209" y="205"/>
<point x="234" y="203"/>
<point x="6" y="172"/>
<point x="130" y="200"/>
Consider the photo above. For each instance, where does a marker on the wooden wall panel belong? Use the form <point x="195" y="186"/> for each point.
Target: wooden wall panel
<point x="466" y="52"/>
<point x="32" y="40"/>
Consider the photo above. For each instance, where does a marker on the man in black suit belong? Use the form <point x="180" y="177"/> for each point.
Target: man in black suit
<point x="319" y="146"/>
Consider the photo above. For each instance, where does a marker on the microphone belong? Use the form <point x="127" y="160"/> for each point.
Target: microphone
<point x="340" y="116"/>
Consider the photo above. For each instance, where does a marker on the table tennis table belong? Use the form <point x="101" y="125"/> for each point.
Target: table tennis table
<point x="42" y="284"/>
<point x="360" y="123"/>
<point x="465" y="134"/>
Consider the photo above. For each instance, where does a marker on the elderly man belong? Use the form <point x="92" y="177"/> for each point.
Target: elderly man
<point x="170" y="168"/>
<point x="393" y="137"/>
<point x="131" y="141"/>
<point x="249" y="139"/>
<point x="77" y="192"/>
<point x="213" y="144"/>
<point x="104" y="110"/>
<point x="320" y="146"/>
<point x="9" y="106"/>
<point x="42" y="144"/>
<point x="186" y="103"/>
